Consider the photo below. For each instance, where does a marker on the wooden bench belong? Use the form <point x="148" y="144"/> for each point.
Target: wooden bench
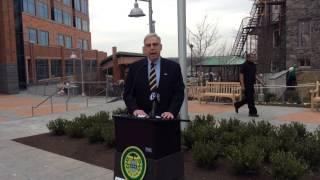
<point x="315" y="95"/>
<point x="230" y="90"/>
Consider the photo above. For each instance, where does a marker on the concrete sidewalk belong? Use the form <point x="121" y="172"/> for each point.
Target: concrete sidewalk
<point x="21" y="162"/>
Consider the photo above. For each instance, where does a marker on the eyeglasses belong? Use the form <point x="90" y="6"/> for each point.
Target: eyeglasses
<point x="152" y="44"/>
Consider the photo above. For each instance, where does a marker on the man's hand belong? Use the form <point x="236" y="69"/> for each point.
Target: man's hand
<point x="167" y="115"/>
<point x="139" y="112"/>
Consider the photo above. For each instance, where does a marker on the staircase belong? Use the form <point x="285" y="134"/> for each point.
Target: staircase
<point x="248" y="24"/>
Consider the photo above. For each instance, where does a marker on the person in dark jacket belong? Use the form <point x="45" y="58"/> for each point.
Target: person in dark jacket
<point x="247" y="80"/>
<point x="168" y="83"/>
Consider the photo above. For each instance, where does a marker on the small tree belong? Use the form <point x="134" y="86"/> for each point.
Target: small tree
<point x="203" y="39"/>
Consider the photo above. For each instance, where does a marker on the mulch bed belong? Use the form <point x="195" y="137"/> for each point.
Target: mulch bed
<point x="100" y="155"/>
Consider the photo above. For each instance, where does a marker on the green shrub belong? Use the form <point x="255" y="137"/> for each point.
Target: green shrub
<point x="108" y="135"/>
<point x="269" y="144"/>
<point x="202" y="128"/>
<point x="245" y="159"/>
<point x="230" y="125"/>
<point x="286" y="166"/>
<point x="309" y="149"/>
<point x="270" y="97"/>
<point x="206" y="154"/>
<point x="57" y="127"/>
<point x="100" y="117"/>
<point x="94" y="133"/>
<point x="77" y="127"/>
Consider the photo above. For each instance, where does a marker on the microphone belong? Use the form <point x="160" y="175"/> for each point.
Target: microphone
<point x="155" y="98"/>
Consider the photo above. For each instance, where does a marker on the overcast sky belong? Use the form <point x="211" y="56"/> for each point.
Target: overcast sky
<point x="110" y="25"/>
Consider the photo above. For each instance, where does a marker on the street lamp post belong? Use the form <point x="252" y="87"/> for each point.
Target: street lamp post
<point x="137" y="12"/>
<point x="191" y="48"/>
<point x="74" y="56"/>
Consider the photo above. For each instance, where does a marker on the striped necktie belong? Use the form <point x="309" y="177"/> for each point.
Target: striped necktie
<point x="152" y="78"/>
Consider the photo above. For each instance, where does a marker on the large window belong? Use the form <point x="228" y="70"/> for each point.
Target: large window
<point x="86" y="67"/>
<point x="85" y="26"/>
<point x="43" y="38"/>
<point x="304" y="33"/>
<point x="32" y="35"/>
<point x="58" y="15"/>
<point x="94" y="66"/>
<point x="69" y="67"/>
<point x="68" y="42"/>
<point x="42" y="10"/>
<point x="78" y="23"/>
<point x="79" y="44"/>
<point x="67" y="2"/>
<point x="77" y="5"/>
<point x="56" y="68"/>
<point x="60" y="40"/>
<point x="84" y="6"/>
<point x="67" y="19"/>
<point x="304" y="61"/>
<point x="78" y="66"/>
<point x="85" y="44"/>
<point x="42" y="69"/>
<point x="29" y="6"/>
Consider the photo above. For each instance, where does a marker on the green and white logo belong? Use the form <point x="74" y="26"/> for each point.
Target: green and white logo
<point x="133" y="163"/>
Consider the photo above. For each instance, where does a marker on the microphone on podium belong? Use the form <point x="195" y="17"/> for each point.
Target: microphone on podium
<point x="155" y="98"/>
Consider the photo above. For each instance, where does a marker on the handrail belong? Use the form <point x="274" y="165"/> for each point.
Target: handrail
<point x="49" y="97"/>
<point x="88" y="97"/>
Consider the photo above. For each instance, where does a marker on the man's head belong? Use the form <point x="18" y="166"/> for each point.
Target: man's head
<point x="152" y="46"/>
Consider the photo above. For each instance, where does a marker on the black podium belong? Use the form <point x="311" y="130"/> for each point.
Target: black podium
<point x="159" y="141"/>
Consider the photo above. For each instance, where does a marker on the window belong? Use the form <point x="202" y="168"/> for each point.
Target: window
<point x="304" y="33"/>
<point x="29" y="6"/>
<point x="67" y="19"/>
<point x="84" y="6"/>
<point x="32" y="35"/>
<point x="79" y="44"/>
<point x="305" y="61"/>
<point x="78" y="23"/>
<point x="42" y="69"/>
<point x="78" y="66"/>
<point x="43" y="38"/>
<point x="86" y="66"/>
<point x="58" y="15"/>
<point x="67" y="2"/>
<point x="85" y="44"/>
<point x="60" y="40"/>
<point x="276" y="38"/>
<point x="85" y="26"/>
<point x="68" y="42"/>
<point x="42" y="10"/>
<point x="94" y="66"/>
<point x="77" y="5"/>
<point x="69" y="67"/>
<point x="56" y="68"/>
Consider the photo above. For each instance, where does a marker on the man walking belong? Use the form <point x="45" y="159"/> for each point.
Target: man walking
<point x="247" y="80"/>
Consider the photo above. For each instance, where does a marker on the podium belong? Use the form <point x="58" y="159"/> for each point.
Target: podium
<point x="148" y="149"/>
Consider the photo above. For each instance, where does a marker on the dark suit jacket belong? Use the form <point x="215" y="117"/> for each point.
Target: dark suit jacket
<point x="171" y="88"/>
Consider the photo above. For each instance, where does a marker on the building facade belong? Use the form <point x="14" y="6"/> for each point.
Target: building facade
<point x="38" y="40"/>
<point x="286" y="33"/>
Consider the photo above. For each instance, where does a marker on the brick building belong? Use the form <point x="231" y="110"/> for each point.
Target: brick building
<point x="38" y="38"/>
<point x="282" y="33"/>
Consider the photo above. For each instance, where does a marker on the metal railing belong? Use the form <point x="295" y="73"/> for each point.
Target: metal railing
<point x="42" y="102"/>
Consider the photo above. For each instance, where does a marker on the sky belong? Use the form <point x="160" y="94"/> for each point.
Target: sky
<point x="110" y="25"/>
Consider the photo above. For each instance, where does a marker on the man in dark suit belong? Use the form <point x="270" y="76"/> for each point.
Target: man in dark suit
<point x="167" y="83"/>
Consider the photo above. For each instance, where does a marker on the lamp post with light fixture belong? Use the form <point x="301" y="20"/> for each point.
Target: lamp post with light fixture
<point x="74" y="56"/>
<point x="137" y="12"/>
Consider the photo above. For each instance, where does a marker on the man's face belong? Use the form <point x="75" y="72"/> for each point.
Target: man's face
<point x="152" y="48"/>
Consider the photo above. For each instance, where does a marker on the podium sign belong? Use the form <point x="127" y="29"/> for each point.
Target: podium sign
<point x="156" y="141"/>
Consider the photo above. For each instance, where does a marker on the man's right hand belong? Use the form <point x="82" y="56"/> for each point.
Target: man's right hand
<point x="139" y="112"/>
